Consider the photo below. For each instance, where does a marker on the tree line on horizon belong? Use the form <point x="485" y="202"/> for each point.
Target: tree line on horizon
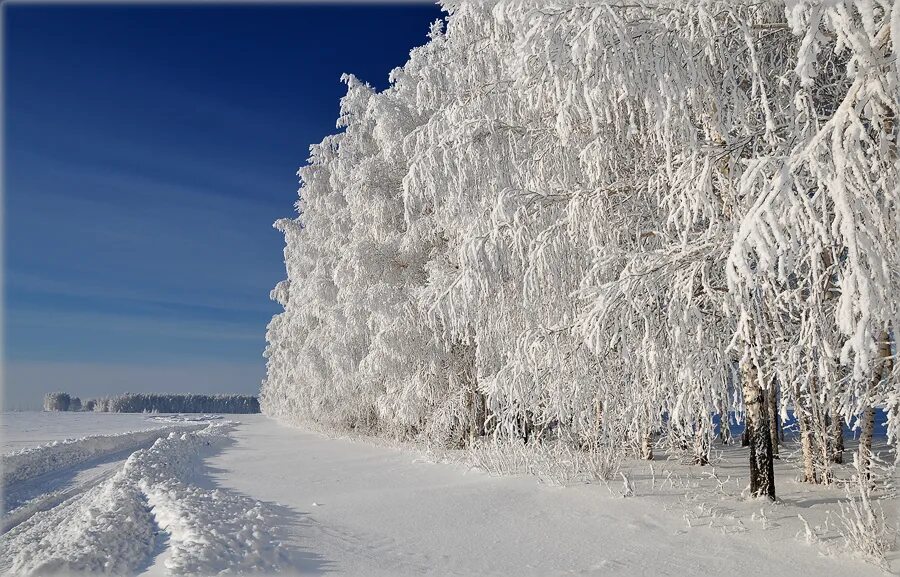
<point x="611" y="225"/>
<point x="154" y="403"/>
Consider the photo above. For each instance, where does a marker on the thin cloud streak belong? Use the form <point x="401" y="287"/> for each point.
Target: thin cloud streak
<point x="133" y="324"/>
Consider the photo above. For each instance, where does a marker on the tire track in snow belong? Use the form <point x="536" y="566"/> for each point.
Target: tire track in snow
<point x="112" y="527"/>
<point x="47" y="499"/>
<point x="34" y="462"/>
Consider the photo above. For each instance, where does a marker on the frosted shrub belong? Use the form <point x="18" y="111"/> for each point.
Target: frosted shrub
<point x="863" y="520"/>
<point x="555" y="462"/>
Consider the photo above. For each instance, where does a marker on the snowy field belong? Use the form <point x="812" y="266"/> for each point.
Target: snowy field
<point x="22" y="429"/>
<point x="243" y="493"/>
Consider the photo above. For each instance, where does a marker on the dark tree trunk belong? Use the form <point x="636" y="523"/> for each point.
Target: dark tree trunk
<point x="837" y="438"/>
<point x="772" y="408"/>
<point x="701" y="441"/>
<point x="762" y="465"/>
<point x="479" y="414"/>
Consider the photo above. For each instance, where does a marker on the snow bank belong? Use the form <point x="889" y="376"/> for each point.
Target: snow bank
<point x="111" y="528"/>
<point x="212" y="531"/>
<point x="183" y="418"/>
<point x="31" y="462"/>
<point x="106" y="530"/>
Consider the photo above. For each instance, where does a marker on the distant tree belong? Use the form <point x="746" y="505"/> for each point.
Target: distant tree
<point x="58" y="401"/>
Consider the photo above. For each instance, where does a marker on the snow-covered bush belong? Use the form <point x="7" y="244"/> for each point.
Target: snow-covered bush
<point x="864" y="525"/>
<point x="555" y="462"/>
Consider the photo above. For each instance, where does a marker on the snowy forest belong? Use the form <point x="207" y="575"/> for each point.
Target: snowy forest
<point x="613" y="227"/>
<point x="154" y="403"/>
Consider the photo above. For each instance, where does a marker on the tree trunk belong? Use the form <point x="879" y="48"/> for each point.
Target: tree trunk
<point x="865" y="441"/>
<point x="837" y="437"/>
<point x="598" y="421"/>
<point x="806" y="443"/>
<point x="701" y="442"/>
<point x="772" y="406"/>
<point x="479" y="415"/>
<point x="647" y="446"/>
<point x="724" y="428"/>
<point x="762" y="466"/>
<point x="882" y="369"/>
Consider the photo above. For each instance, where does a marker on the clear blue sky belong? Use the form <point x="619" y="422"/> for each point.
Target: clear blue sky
<point x="148" y="149"/>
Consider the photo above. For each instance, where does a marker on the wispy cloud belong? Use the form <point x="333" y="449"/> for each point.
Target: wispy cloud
<point x="45" y="284"/>
<point x="89" y="322"/>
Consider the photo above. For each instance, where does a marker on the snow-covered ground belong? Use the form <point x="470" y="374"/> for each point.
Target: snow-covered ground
<point x="259" y="496"/>
<point x="23" y="429"/>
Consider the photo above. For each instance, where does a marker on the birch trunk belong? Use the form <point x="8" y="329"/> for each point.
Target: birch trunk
<point x="701" y="442"/>
<point x="806" y="441"/>
<point x="762" y="467"/>
<point x="837" y="437"/>
<point x="882" y="369"/>
<point x="647" y="446"/>
<point x="772" y="407"/>
<point x="598" y="421"/>
<point x="865" y="441"/>
<point x="724" y="429"/>
<point x="479" y="415"/>
<point x="819" y="432"/>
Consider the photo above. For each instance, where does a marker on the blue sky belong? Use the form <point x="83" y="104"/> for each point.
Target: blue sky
<point x="148" y="149"/>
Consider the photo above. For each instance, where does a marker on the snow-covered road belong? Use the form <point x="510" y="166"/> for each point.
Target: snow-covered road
<point x="258" y="496"/>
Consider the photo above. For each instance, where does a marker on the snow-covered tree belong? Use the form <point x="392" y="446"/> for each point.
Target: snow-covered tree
<point x="56" y="401"/>
<point x="607" y="223"/>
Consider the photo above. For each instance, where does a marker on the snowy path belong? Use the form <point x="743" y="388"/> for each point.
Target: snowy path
<point x="258" y="496"/>
<point x="356" y="509"/>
